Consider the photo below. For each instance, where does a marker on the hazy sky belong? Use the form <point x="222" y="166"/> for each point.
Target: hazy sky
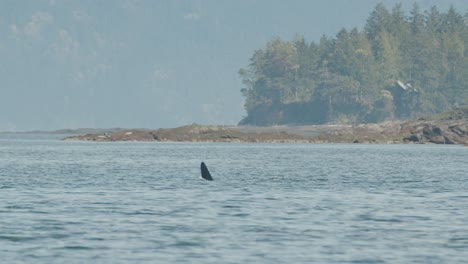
<point x="148" y="64"/>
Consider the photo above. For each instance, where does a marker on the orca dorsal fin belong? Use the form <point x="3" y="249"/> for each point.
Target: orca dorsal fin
<point x="205" y="173"/>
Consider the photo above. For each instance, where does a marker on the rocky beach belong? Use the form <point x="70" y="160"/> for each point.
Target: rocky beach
<point x="447" y="128"/>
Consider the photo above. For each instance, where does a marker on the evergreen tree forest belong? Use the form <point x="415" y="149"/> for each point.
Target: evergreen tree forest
<point x="401" y="65"/>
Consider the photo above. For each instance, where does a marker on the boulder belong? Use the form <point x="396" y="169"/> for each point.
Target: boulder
<point x="437" y="140"/>
<point x="413" y="138"/>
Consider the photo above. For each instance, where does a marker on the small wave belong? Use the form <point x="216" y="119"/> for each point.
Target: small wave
<point x="18" y="207"/>
<point x="231" y="206"/>
<point x="59" y="236"/>
<point x="39" y="212"/>
<point x="458" y="239"/>
<point x="415" y="217"/>
<point x="376" y="219"/>
<point x="16" y="238"/>
<point x="457" y="243"/>
<point x="140" y="213"/>
<point x="460" y="197"/>
<point x="241" y="215"/>
<point x="367" y="261"/>
<point x="77" y="248"/>
<point x="185" y="244"/>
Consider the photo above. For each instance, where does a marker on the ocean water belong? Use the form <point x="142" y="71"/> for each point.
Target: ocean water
<point x="136" y="202"/>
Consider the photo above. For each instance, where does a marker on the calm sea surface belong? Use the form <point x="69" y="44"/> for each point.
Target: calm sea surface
<point x="135" y="202"/>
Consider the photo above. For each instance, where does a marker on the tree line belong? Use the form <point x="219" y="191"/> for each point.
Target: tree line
<point x="399" y="66"/>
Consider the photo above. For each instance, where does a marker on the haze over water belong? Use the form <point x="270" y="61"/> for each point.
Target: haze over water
<point x="147" y="63"/>
<point x="134" y="202"/>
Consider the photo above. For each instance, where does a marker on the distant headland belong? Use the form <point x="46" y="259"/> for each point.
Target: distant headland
<point x="447" y="128"/>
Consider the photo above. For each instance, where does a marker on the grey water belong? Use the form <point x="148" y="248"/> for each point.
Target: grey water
<point x="137" y="202"/>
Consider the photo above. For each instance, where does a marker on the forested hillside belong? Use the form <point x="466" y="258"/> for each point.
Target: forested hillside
<point x="401" y="65"/>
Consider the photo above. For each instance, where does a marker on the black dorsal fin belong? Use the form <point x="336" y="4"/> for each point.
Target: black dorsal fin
<point x="205" y="173"/>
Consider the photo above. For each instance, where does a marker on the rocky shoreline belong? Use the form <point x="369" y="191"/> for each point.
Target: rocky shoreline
<point x="413" y="132"/>
<point x="194" y="133"/>
<point x="447" y="128"/>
